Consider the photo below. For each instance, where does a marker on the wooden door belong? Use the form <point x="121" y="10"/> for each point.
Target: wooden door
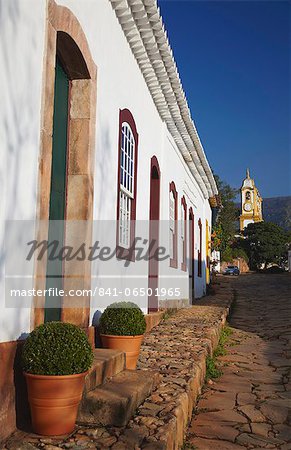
<point x="57" y="211"/>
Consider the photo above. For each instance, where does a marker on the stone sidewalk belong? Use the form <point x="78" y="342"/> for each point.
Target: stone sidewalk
<point x="250" y="405"/>
<point x="177" y="348"/>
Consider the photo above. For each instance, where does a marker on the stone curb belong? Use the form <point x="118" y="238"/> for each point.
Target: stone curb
<point x="186" y="402"/>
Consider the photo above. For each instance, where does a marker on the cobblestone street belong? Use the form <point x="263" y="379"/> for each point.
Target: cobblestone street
<point x="250" y="405"/>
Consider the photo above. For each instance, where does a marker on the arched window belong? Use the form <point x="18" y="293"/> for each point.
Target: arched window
<point x="173" y="216"/>
<point x="126" y="199"/>
<point x="126" y="191"/>
<point x="184" y="233"/>
<point x="199" y="267"/>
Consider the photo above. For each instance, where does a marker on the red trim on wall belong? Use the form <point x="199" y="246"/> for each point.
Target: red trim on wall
<point x="154" y="215"/>
<point x="127" y="253"/>
<point x="174" y="260"/>
<point x="155" y="164"/>
<point x="191" y="256"/>
<point x="184" y="261"/>
<point x="200" y="249"/>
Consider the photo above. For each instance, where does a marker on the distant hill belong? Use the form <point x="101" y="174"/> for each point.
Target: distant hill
<point x="277" y="210"/>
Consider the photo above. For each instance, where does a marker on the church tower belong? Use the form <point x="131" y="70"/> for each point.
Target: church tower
<point x="251" y="203"/>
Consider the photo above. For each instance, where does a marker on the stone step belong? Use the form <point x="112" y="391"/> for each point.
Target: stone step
<point x="106" y="364"/>
<point x="115" y="402"/>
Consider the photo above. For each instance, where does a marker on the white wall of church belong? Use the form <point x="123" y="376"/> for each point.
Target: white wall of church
<point x="120" y="84"/>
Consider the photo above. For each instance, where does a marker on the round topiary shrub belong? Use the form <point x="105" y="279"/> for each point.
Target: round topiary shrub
<point x="122" y="319"/>
<point x="57" y="348"/>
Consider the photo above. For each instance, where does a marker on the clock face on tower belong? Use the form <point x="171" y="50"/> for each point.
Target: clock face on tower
<point x="247" y="206"/>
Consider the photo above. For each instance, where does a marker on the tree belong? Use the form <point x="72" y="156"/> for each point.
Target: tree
<point x="225" y="227"/>
<point x="265" y="243"/>
<point x="216" y="237"/>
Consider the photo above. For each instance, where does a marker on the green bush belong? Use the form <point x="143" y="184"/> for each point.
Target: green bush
<point x="122" y="319"/>
<point x="226" y="255"/>
<point x="240" y="253"/>
<point x="230" y="253"/>
<point x="57" y="348"/>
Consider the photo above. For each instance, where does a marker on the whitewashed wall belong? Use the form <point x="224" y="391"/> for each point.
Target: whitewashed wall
<point x="175" y="169"/>
<point x="21" y="59"/>
<point x="119" y="85"/>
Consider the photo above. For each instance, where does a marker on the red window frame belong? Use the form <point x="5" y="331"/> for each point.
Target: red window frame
<point x="184" y="255"/>
<point x="199" y="266"/>
<point x="121" y="252"/>
<point x="174" y="260"/>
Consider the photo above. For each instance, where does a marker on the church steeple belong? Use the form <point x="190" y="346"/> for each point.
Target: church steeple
<point x="251" y="202"/>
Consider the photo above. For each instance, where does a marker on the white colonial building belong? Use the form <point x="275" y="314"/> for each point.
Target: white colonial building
<point x="96" y="134"/>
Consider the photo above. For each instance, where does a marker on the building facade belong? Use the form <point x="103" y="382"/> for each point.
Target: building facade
<point x="251" y="203"/>
<point x="96" y="136"/>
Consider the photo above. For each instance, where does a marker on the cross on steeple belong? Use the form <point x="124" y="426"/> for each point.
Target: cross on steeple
<point x="248" y="173"/>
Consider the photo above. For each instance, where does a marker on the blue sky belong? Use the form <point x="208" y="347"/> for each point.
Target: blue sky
<point x="234" y="62"/>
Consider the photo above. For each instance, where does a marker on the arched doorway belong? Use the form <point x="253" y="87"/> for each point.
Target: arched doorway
<point x="154" y="216"/>
<point x="66" y="169"/>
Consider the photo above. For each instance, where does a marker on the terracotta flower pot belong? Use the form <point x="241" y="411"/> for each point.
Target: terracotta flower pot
<point x="130" y="345"/>
<point x="54" y="402"/>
